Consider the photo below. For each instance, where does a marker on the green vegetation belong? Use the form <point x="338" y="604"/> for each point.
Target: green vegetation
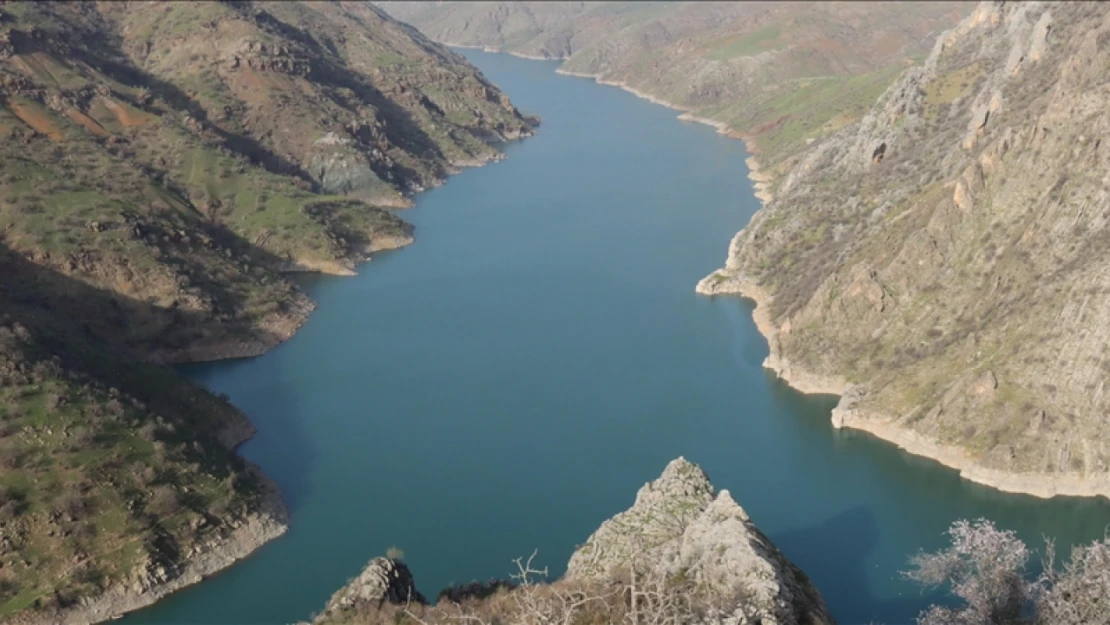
<point x="757" y="41"/>
<point x="154" y="185"/>
<point x="950" y="87"/>
<point x="783" y="119"/>
<point x="98" y="482"/>
<point x="781" y="75"/>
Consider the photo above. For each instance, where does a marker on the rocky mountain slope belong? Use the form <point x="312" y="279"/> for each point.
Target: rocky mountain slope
<point x="161" y="166"/>
<point x="779" y="73"/>
<point x="939" y="261"/>
<point x="682" y="553"/>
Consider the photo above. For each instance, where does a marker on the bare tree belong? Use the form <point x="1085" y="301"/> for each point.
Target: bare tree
<point x="1080" y="593"/>
<point x="646" y="596"/>
<point x="985" y="567"/>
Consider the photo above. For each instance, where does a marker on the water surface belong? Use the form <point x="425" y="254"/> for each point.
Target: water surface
<point x="511" y="379"/>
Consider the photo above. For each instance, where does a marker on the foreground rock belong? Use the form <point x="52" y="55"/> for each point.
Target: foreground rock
<point x="935" y="263"/>
<point x="384" y="580"/>
<point x="685" y="552"/>
<point x="681" y="528"/>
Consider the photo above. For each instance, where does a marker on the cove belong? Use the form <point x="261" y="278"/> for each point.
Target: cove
<point x="509" y="381"/>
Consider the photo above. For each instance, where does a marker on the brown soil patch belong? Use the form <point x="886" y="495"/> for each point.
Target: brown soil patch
<point x="89" y="123"/>
<point x="770" y="125"/>
<point x="254" y="87"/>
<point x="839" y="122"/>
<point x="36" y="117"/>
<point x="827" y="45"/>
<point x="127" y="115"/>
<point x="889" y="44"/>
<point x="249" y="86"/>
<point x="28" y="64"/>
<point x="45" y="68"/>
<point x="19" y="62"/>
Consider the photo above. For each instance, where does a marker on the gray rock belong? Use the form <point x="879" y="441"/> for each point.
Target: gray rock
<point x="679" y="526"/>
<point x="384" y="580"/>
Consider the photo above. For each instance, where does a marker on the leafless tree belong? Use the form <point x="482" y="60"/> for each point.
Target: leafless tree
<point x="1080" y="593"/>
<point x="644" y="595"/>
<point x="985" y="567"/>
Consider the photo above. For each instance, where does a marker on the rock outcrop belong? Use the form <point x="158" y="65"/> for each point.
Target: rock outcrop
<point x="383" y="581"/>
<point x="681" y="527"/>
<point x="935" y="263"/>
<point x="680" y="533"/>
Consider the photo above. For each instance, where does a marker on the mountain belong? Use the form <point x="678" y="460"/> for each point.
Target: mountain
<point x="777" y="73"/>
<point x="939" y="262"/>
<point x="162" y="167"/>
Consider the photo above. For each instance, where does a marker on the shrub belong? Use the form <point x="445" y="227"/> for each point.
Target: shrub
<point x="986" y="568"/>
<point x="1080" y="593"/>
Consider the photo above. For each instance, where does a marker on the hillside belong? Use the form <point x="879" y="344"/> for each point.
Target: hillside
<point x="778" y="73"/>
<point x="162" y="165"/>
<point x="118" y="480"/>
<point x="939" y="261"/>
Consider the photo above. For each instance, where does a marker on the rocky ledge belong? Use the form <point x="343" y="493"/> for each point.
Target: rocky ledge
<point x="682" y="547"/>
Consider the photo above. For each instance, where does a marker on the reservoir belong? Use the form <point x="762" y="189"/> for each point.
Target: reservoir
<point x="508" y="381"/>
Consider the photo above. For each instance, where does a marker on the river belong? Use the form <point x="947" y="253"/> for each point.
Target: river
<point x="509" y="381"/>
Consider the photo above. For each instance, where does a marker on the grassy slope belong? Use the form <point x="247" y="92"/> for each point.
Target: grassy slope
<point x="110" y="468"/>
<point x="148" y="202"/>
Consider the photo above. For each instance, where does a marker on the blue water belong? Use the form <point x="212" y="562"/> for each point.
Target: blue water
<point x="512" y="378"/>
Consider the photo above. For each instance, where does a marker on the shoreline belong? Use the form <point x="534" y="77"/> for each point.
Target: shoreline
<point x="685" y="112"/>
<point x="1030" y="484"/>
<point x="271" y="520"/>
<point x="843" y="415"/>
<point x="846" y="416"/>
<point x="530" y="57"/>
<point x="246" y="536"/>
<point x="724" y="281"/>
<point x="761" y="181"/>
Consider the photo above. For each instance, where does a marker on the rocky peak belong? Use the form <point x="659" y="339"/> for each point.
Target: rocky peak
<point x="681" y="527"/>
<point x="384" y="580"/>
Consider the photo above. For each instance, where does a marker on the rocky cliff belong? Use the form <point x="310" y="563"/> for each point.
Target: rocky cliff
<point x="937" y="262"/>
<point x="162" y="165"/>
<point x="682" y="553"/>
<point x="777" y="73"/>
